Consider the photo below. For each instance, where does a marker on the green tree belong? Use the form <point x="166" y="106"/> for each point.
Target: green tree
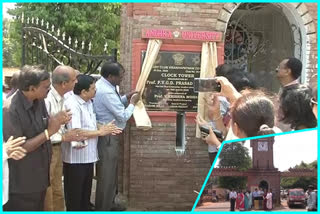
<point x="97" y="23"/>
<point x="234" y="155"/>
<point x="11" y="53"/>
<point x="300" y="182"/>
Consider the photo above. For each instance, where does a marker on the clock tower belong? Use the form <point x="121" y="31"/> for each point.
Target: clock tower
<point x="262" y="153"/>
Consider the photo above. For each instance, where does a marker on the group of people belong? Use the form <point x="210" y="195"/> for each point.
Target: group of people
<point x="66" y="122"/>
<point x="62" y="124"/>
<point x="312" y="199"/>
<point x="247" y="200"/>
<point x="241" y="110"/>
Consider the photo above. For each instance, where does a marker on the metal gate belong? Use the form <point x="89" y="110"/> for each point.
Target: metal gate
<point x="43" y="43"/>
<point x="243" y="43"/>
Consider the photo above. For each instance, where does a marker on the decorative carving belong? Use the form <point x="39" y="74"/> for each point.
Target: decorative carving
<point x="178" y="59"/>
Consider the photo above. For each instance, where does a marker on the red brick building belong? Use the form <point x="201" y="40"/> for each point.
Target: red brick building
<point x="154" y="174"/>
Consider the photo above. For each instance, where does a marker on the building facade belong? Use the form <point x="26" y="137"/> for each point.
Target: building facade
<point x="155" y="173"/>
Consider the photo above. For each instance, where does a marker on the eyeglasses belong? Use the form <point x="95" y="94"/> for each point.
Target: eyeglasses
<point x="313" y="102"/>
<point x="278" y="68"/>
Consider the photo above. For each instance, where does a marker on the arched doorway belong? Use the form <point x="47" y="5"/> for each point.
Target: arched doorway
<point x="259" y="35"/>
<point x="264" y="185"/>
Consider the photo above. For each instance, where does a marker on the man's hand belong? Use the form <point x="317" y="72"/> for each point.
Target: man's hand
<point x="200" y="121"/>
<point x="129" y="95"/>
<point x="53" y="126"/>
<point x="135" y="98"/>
<point x="110" y="128"/>
<point x="57" y="120"/>
<point x="213" y="105"/>
<point x="212" y="139"/>
<point x="13" y="148"/>
<point x="227" y="89"/>
<point x="74" y="135"/>
<point x="64" y="117"/>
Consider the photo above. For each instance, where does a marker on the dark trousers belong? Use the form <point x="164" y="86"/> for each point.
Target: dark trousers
<point x="107" y="172"/>
<point x="25" y="202"/>
<point x="212" y="156"/>
<point x="232" y="202"/>
<point x="77" y="186"/>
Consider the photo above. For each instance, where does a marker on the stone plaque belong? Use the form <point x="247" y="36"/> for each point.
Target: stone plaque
<point x="170" y="84"/>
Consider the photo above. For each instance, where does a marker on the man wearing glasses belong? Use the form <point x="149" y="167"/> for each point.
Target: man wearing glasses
<point x="289" y="71"/>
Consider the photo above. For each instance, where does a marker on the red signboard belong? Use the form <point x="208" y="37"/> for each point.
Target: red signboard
<point x="211" y="36"/>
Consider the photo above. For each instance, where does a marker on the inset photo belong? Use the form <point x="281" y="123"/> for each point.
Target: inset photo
<point x="277" y="173"/>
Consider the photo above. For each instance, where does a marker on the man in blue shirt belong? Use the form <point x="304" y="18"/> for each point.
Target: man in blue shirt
<point x="109" y="105"/>
<point x="256" y="196"/>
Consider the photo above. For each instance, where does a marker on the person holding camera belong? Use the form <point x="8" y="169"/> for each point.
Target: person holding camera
<point x="252" y="113"/>
<point x="219" y="107"/>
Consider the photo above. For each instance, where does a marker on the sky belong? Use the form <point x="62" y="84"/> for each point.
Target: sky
<point x="290" y="149"/>
<point x="5" y="7"/>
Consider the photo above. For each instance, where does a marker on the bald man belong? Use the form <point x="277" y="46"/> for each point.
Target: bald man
<point x="289" y="71"/>
<point x="63" y="81"/>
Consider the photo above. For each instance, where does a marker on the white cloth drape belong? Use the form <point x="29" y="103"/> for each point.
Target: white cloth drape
<point x="140" y="114"/>
<point x="209" y="62"/>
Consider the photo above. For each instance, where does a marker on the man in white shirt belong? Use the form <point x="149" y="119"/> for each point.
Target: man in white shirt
<point x="79" y="156"/>
<point x="63" y="81"/>
<point x="233" y="197"/>
<point x="312" y="199"/>
<point x="289" y="71"/>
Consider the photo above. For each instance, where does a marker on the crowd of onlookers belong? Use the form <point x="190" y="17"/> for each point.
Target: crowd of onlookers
<point x="62" y="124"/>
<point x="261" y="199"/>
<point x="243" y="110"/>
<point x="247" y="200"/>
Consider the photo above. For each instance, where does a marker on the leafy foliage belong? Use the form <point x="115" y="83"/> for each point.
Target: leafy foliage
<point x="11" y="44"/>
<point x="89" y="22"/>
<point x="300" y="182"/>
<point x="234" y="155"/>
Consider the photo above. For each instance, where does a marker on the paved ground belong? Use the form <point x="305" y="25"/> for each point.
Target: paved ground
<point x="225" y="206"/>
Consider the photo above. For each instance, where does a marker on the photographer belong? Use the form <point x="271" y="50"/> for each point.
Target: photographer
<point x="251" y="114"/>
<point x="219" y="107"/>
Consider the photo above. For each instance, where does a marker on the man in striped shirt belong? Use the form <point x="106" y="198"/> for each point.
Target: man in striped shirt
<point x="79" y="157"/>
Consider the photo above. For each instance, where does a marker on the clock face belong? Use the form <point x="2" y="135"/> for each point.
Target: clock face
<point x="262" y="146"/>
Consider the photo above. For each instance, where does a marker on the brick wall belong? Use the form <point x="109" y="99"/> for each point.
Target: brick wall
<point x="152" y="175"/>
<point x="312" y="64"/>
<point x="160" y="178"/>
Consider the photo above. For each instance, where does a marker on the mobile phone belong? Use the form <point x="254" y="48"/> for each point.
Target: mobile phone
<point x="205" y="131"/>
<point x="206" y="85"/>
